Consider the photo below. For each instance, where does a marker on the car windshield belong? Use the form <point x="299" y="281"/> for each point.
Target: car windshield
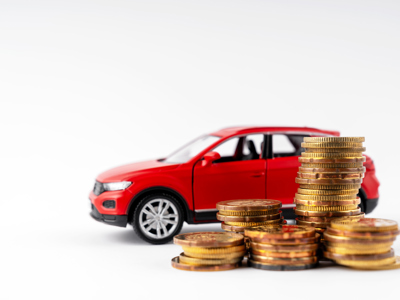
<point x="192" y="149"/>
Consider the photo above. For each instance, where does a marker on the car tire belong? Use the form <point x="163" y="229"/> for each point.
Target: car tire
<point x="158" y="218"/>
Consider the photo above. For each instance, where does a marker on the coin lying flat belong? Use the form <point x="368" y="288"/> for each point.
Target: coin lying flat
<point x="215" y="250"/>
<point x="284" y="261"/>
<point x="207" y="262"/>
<point x="332" y="170"/>
<point x="326" y="214"/>
<point x="292" y="241"/>
<point x="274" y="267"/>
<point x="330" y="187"/>
<point x="248" y="213"/>
<point x="279" y="232"/>
<point x="328" y="203"/>
<point x="335" y="150"/>
<point x="284" y="248"/>
<point x="364" y="247"/>
<point x="326" y="208"/>
<point x="346" y="250"/>
<point x="326" y="181"/>
<point x="220" y="256"/>
<point x="327" y="219"/>
<point x="232" y="228"/>
<point x="321" y="176"/>
<point x="327" y="192"/>
<point x="331" y="145"/>
<point x="366" y="264"/>
<point x="252" y="224"/>
<point x="351" y="240"/>
<point x="181" y="266"/>
<point x="391" y="266"/>
<point x="325" y="197"/>
<point x="312" y="224"/>
<point x="366" y="224"/>
<point x="363" y="257"/>
<point x="324" y="160"/>
<point x="249" y="205"/>
<point x="283" y="254"/>
<point x="331" y="155"/>
<point x="363" y="234"/>
<point x="334" y="139"/>
<point x="259" y="218"/>
<point x="208" y="239"/>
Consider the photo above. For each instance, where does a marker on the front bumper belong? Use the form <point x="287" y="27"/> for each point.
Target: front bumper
<point x="370" y="205"/>
<point x="116" y="220"/>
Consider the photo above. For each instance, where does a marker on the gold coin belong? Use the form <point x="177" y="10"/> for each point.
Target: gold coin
<point x="321" y="176"/>
<point x="328" y="219"/>
<point x="325" y="198"/>
<point x="332" y="166"/>
<point x="367" y="224"/>
<point x="215" y="256"/>
<point x="391" y="266"/>
<point x="292" y="241"/>
<point x="328" y="181"/>
<point x="279" y="232"/>
<point x="335" y="150"/>
<point x="359" y="247"/>
<point x="284" y="248"/>
<point x="344" y="250"/>
<point x="275" y="267"/>
<point x="285" y="261"/>
<point x="335" y="208"/>
<point x="331" y="145"/>
<point x="237" y="229"/>
<point x="327" y="203"/>
<point x="312" y="224"/>
<point x="332" y="155"/>
<point x="323" y="160"/>
<point x="330" y="187"/>
<point x="366" y="264"/>
<point x="252" y="224"/>
<point x="248" y="213"/>
<point x="204" y="262"/>
<point x="327" y="213"/>
<point x="260" y="218"/>
<point x="215" y="250"/>
<point x="351" y="240"/>
<point x="208" y="239"/>
<point x="364" y="234"/>
<point x="181" y="266"/>
<point x="249" y="204"/>
<point x="283" y="254"/>
<point x="334" y="139"/>
<point x="327" y="192"/>
<point x="332" y="170"/>
<point x="363" y="257"/>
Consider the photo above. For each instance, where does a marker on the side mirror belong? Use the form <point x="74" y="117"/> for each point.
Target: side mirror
<point x="210" y="157"/>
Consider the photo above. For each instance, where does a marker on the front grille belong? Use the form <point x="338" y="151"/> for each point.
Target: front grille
<point x="98" y="188"/>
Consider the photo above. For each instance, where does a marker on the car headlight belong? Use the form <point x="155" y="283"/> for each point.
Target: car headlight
<point x="116" y="186"/>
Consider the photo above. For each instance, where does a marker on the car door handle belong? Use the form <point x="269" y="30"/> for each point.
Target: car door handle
<point x="259" y="174"/>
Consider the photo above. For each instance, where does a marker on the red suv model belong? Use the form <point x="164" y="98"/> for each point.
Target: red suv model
<point x="235" y="163"/>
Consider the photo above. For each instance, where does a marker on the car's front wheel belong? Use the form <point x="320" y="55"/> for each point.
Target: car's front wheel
<point x="158" y="218"/>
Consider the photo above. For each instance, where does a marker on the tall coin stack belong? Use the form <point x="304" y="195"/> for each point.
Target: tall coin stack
<point x="209" y="251"/>
<point x="236" y="215"/>
<point x="283" y="248"/>
<point x="330" y="177"/>
<point x="362" y="244"/>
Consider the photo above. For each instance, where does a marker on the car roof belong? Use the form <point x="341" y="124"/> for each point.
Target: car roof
<point x="231" y="131"/>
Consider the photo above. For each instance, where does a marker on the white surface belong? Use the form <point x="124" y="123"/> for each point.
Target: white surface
<point x="88" y="85"/>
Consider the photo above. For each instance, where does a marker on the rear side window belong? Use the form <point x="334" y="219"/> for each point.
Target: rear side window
<point x="287" y="145"/>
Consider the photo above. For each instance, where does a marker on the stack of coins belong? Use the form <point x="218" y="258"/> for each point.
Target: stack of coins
<point x="283" y="248"/>
<point x="330" y="177"/>
<point x="236" y="215"/>
<point x="362" y="244"/>
<point x="209" y="251"/>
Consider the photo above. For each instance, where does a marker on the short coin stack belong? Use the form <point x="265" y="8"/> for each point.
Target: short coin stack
<point x="240" y="214"/>
<point x="283" y="248"/>
<point x="330" y="177"/>
<point x="362" y="244"/>
<point x="209" y="251"/>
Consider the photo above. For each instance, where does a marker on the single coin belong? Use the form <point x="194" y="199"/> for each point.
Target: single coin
<point x="312" y="224"/>
<point x="249" y="204"/>
<point x="332" y="170"/>
<point x="363" y="234"/>
<point x="284" y="248"/>
<point x="274" y="267"/>
<point x="237" y="229"/>
<point x="283" y="254"/>
<point x="366" y="264"/>
<point x="327" y="192"/>
<point x="330" y="166"/>
<point x="328" y="203"/>
<point x="181" y="266"/>
<point x="364" y="257"/>
<point x="325" y="197"/>
<point x="391" y="266"/>
<point x="336" y="208"/>
<point x="344" y="250"/>
<point x="284" y="261"/>
<point x="329" y="176"/>
<point x="279" y="232"/>
<point x="204" y="262"/>
<point x="323" y="160"/>
<point x="367" y="224"/>
<point x="330" y="187"/>
<point x="331" y="145"/>
<point x="359" y="247"/>
<point x="291" y="241"/>
<point x="208" y="239"/>
<point x="260" y="218"/>
<point x="248" y="213"/>
<point x="335" y="150"/>
<point x="252" y="224"/>
<point x="351" y="240"/>
<point x="334" y="139"/>
<point x="327" y="219"/>
<point x="227" y="256"/>
<point x="331" y="155"/>
<point x="327" y="214"/>
<point x="327" y="181"/>
<point x="215" y="250"/>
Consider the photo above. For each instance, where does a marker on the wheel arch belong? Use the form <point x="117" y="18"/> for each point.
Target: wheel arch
<point x="188" y="214"/>
<point x="363" y="197"/>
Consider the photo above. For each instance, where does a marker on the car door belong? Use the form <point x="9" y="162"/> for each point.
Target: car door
<point x="238" y="174"/>
<point x="282" y="167"/>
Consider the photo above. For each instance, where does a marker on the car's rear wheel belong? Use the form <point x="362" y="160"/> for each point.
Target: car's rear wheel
<point x="158" y="218"/>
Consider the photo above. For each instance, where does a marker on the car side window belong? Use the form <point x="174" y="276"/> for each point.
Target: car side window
<point x="252" y="146"/>
<point x="287" y="145"/>
<point x="229" y="150"/>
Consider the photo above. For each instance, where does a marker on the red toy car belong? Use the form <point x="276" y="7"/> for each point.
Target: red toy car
<point x="235" y="163"/>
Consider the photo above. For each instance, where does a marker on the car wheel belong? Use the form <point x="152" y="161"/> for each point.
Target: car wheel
<point x="158" y="218"/>
<point x="361" y="205"/>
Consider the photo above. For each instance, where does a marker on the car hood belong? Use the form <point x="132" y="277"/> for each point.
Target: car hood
<point x="126" y="172"/>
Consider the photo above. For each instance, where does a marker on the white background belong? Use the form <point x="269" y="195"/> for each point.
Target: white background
<point x="89" y="85"/>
